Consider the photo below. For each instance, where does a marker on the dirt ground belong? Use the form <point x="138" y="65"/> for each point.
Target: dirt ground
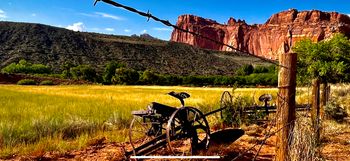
<point x="243" y="147"/>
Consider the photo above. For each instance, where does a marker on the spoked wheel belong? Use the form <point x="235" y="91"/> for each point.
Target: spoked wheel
<point x="142" y="130"/>
<point x="225" y="101"/>
<point x="187" y="131"/>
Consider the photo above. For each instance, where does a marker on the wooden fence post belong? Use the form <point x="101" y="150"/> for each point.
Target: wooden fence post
<point x="285" y="115"/>
<point x="315" y="109"/>
<point x="323" y="98"/>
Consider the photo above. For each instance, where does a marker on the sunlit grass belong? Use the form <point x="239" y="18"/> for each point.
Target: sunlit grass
<point x="36" y="119"/>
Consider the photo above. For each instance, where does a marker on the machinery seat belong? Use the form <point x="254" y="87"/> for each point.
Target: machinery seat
<point x="163" y="109"/>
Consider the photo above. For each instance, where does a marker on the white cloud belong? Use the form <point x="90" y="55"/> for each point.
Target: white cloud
<point x="127" y="30"/>
<point x="109" y="29"/>
<point x="348" y="15"/>
<point x="106" y="15"/>
<point x="33" y="14"/>
<point x="2" y="14"/>
<point x="144" y="31"/>
<point x="88" y="15"/>
<point x="162" y="29"/>
<point x="79" y="26"/>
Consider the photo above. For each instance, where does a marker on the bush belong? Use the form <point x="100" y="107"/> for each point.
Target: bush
<point x="26" y="82"/>
<point x="24" y="67"/>
<point x="46" y="82"/>
<point x="245" y="70"/>
<point x="232" y="114"/>
<point x="333" y="110"/>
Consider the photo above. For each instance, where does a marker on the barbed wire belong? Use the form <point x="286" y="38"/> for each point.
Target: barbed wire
<point x="149" y="16"/>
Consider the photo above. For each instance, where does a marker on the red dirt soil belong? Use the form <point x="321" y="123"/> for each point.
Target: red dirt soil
<point x="337" y="149"/>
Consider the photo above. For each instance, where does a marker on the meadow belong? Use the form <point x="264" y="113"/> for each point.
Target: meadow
<point x="35" y="119"/>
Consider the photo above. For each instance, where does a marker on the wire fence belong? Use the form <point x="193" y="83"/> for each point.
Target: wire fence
<point x="272" y="123"/>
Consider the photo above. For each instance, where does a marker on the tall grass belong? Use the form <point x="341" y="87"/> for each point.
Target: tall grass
<point x="59" y="118"/>
<point x="33" y="117"/>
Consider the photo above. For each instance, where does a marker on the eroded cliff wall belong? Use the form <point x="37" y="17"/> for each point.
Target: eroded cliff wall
<point x="266" y="40"/>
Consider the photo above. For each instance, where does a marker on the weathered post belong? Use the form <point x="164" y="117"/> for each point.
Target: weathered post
<point x="323" y="97"/>
<point x="286" y="103"/>
<point x="315" y="109"/>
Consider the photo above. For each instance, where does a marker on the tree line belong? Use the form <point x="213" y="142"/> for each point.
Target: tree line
<point x="117" y="73"/>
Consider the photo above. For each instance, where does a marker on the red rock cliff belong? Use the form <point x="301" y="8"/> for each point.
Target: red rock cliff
<point x="266" y="40"/>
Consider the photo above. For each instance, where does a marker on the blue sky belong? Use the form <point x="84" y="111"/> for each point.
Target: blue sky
<point x="103" y="18"/>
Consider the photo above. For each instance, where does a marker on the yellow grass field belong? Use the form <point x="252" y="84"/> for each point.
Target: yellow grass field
<point x="35" y="119"/>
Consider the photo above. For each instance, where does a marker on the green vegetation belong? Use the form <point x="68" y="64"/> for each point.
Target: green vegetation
<point x="47" y="82"/>
<point x="117" y="73"/>
<point x="110" y="70"/>
<point x="84" y="72"/>
<point x="126" y="76"/>
<point x="335" y="111"/>
<point x="26" y="82"/>
<point x="24" y="67"/>
<point x="328" y="60"/>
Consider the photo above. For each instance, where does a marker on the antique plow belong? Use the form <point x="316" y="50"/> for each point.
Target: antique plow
<point x="184" y="130"/>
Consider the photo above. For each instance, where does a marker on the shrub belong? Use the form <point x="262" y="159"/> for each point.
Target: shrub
<point x="333" y="110"/>
<point x="24" y="67"/>
<point x="245" y="70"/>
<point x="232" y="115"/>
<point x="46" y="82"/>
<point x="26" y="82"/>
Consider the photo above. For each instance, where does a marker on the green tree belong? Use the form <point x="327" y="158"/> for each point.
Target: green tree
<point x="84" y="72"/>
<point x="149" y="77"/>
<point x="126" y="76"/>
<point x="328" y="60"/>
<point x="65" y="67"/>
<point x="109" y="71"/>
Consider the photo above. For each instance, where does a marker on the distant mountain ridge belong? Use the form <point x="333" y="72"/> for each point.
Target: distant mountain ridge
<point x="53" y="46"/>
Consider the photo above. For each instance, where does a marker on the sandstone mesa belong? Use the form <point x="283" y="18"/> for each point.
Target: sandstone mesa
<point x="266" y="40"/>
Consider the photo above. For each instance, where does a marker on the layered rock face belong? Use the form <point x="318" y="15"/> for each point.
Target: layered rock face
<point x="277" y="35"/>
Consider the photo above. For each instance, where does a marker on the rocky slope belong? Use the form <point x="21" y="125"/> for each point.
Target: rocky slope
<point x="268" y="39"/>
<point x="53" y="46"/>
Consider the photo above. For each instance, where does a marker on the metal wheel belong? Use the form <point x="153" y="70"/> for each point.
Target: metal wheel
<point x="142" y="130"/>
<point x="187" y="131"/>
<point x="225" y="101"/>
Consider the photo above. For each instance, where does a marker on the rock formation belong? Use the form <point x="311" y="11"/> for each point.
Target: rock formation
<point x="267" y="40"/>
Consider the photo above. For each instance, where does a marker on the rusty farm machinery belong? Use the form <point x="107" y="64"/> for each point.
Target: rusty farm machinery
<point x="184" y="130"/>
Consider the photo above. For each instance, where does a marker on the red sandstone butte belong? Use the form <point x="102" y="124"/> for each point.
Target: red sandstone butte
<point x="265" y="40"/>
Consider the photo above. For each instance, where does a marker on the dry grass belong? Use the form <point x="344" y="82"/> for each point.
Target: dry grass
<point x="36" y="119"/>
<point x="303" y="146"/>
<point x="59" y="118"/>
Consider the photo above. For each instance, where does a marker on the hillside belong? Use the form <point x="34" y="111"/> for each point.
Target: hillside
<point x="53" y="46"/>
